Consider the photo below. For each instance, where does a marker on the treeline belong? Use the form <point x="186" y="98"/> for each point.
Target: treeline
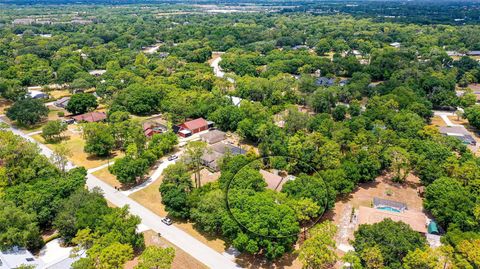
<point x="36" y="196"/>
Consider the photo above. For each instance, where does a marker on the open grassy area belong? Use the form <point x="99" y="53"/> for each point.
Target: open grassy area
<point x="150" y="198"/>
<point x="438" y="121"/>
<point x="74" y="141"/>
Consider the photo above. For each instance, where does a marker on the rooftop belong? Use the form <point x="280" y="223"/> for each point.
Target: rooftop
<point x="274" y="182"/>
<point x="195" y="124"/>
<point x="16" y="257"/>
<point x="213" y="136"/>
<point x="91" y="117"/>
<point x="454" y="130"/>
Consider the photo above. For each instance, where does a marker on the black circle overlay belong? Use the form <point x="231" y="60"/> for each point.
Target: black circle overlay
<point x="311" y="171"/>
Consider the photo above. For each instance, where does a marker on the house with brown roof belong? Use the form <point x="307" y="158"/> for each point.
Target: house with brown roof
<point x="274" y="181"/>
<point x="212" y="137"/>
<point x="94" y="116"/>
<point x="189" y="128"/>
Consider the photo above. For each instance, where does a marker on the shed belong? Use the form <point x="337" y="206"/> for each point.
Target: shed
<point x="433" y="228"/>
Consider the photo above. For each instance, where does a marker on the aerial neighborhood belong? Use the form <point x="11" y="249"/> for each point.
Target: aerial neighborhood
<point x="310" y="134"/>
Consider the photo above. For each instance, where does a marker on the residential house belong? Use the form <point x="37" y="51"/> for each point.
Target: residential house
<point x="62" y="102"/>
<point x="459" y="132"/>
<point x="37" y="94"/>
<point x="212" y="137"/>
<point x="274" y="181"/>
<point x="16" y="257"/>
<point x="324" y="81"/>
<point x="90" y="117"/>
<point x="214" y="153"/>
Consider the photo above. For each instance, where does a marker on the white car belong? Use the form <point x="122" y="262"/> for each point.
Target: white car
<point x="167" y="221"/>
<point x="172" y="157"/>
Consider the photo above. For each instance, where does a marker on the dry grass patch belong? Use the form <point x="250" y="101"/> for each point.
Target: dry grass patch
<point x="438" y="121"/>
<point x="4" y="105"/>
<point x="107" y="177"/>
<point x="182" y="259"/>
<point x="57" y="94"/>
<point x="73" y="140"/>
<point x="150" y="198"/>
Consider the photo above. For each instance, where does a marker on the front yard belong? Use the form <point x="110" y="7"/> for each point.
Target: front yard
<point x="75" y="143"/>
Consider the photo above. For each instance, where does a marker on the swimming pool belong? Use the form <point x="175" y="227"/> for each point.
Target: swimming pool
<point x="387" y="208"/>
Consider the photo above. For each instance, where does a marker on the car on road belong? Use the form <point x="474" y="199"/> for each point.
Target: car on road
<point x="172" y="157"/>
<point x="167" y="221"/>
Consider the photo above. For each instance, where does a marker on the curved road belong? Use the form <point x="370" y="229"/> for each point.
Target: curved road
<point x="178" y="237"/>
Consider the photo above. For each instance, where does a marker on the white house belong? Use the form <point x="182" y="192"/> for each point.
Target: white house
<point x="15" y="257"/>
<point x="37" y="94"/>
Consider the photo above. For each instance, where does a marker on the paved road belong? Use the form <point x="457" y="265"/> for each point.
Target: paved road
<point x="217" y="70"/>
<point x="183" y="240"/>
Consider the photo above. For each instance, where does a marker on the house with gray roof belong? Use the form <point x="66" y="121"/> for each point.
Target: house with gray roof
<point x="16" y="257"/>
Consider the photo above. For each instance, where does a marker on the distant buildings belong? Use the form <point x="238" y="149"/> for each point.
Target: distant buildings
<point x="324" y="81"/>
<point x="97" y="72"/>
<point x="396" y="45"/>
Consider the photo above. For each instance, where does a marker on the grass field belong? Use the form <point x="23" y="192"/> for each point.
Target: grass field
<point x="74" y="141"/>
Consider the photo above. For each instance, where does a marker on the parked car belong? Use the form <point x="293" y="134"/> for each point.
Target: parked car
<point x="172" y="157"/>
<point x="167" y="221"/>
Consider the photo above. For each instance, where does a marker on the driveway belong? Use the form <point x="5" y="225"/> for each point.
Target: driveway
<point x="183" y="240"/>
